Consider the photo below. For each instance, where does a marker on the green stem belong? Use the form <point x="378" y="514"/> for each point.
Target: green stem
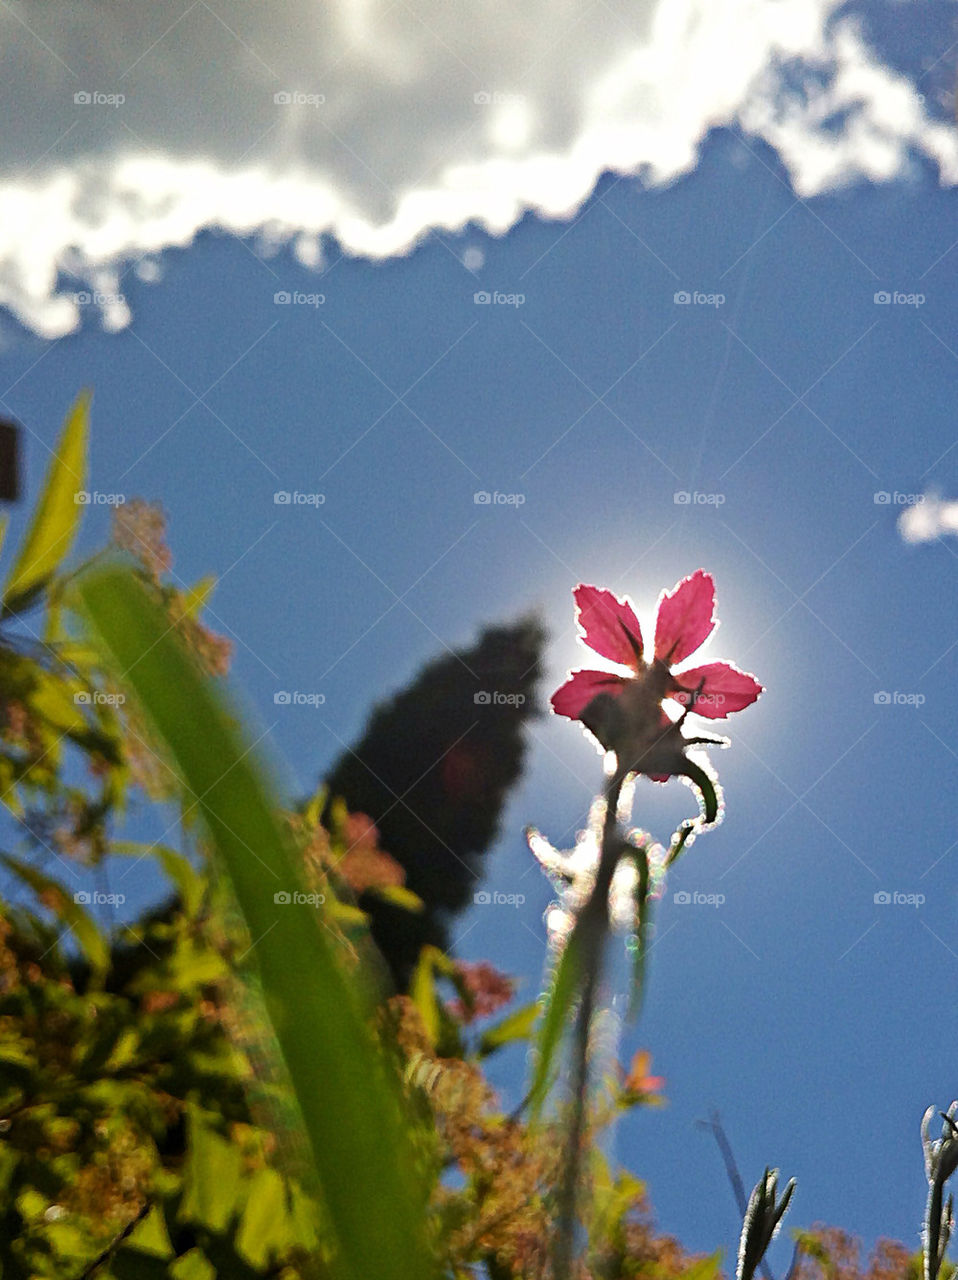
<point x="933" y="1230"/>
<point x="594" y="925"/>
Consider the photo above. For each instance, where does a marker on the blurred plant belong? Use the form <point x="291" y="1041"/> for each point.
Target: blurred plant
<point x="639" y="1085"/>
<point x="432" y="771"/>
<point x="828" y="1253"/>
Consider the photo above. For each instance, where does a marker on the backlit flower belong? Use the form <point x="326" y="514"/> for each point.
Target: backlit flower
<point x="625" y="712"/>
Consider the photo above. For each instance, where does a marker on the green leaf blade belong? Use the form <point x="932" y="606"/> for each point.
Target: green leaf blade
<point x="350" y="1104"/>
<point x="565" y="988"/>
<point x="56" y="517"/>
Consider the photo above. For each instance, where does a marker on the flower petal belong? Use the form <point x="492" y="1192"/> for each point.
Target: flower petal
<point x="609" y="625"/>
<point x="578" y="691"/>
<point x="724" y="689"/>
<point x="686" y="617"/>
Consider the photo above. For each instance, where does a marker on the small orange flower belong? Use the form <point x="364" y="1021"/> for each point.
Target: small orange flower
<point x="639" y="1085"/>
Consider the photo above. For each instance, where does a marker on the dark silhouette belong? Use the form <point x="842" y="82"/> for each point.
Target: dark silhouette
<point x="433" y="770"/>
<point x="9" y="461"/>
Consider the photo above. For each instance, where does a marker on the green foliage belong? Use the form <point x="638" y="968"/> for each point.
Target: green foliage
<point x="564" y="988"/>
<point x="640" y="940"/>
<point x="56" y="516"/>
<point x="118" y="1105"/>
<point x="516" y="1027"/>
<point x="65" y="906"/>
<point x="439" y="1026"/>
<point x="350" y="1109"/>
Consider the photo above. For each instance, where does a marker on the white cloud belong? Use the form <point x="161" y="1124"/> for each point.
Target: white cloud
<point x="928" y="520"/>
<point x="396" y="117"/>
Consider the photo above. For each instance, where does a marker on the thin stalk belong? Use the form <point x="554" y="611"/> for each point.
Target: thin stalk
<point x="594" y="925"/>
<point x="933" y="1229"/>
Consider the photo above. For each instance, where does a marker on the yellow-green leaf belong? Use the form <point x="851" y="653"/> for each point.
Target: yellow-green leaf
<point x="65" y="905"/>
<point x="194" y="599"/>
<point x="561" y="997"/>
<point x="151" y="1236"/>
<point x="193" y="1266"/>
<point x="517" y="1026"/>
<point x="57" y="515"/>
<point x="213" y="1177"/>
<point x="264" y="1229"/>
<point x="422" y="989"/>
<point x="399" y="896"/>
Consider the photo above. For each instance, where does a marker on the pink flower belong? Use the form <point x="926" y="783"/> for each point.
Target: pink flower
<point x="624" y="712"/>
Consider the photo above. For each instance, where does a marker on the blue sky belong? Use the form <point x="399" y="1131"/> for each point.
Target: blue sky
<point x="817" y="1020"/>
